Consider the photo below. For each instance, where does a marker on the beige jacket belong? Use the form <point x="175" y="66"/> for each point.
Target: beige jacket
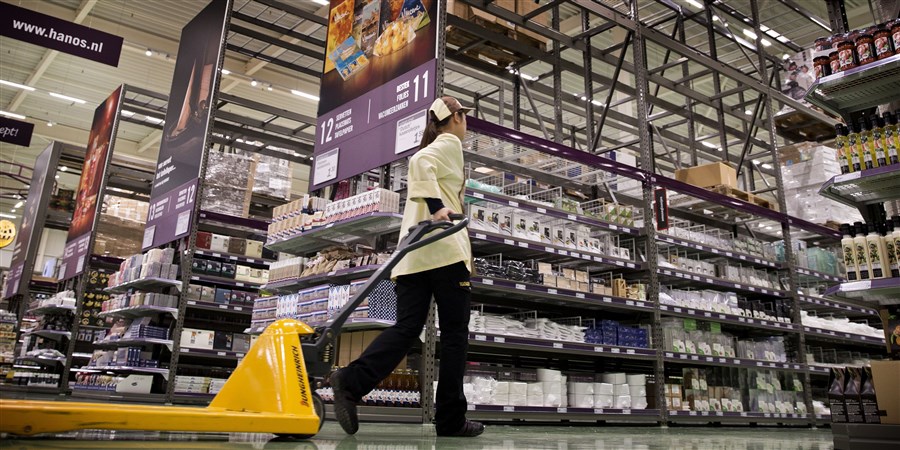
<point x="436" y="171"/>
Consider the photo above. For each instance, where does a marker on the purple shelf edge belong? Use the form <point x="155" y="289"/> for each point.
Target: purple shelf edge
<point x="232" y="220"/>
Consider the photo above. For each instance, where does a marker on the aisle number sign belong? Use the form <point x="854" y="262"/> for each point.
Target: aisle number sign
<point x="379" y="79"/>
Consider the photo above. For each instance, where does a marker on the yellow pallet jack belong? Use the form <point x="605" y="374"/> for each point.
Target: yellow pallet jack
<point x="269" y="392"/>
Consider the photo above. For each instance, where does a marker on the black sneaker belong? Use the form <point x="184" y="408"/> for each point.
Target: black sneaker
<point x="469" y="429"/>
<point x="344" y="405"/>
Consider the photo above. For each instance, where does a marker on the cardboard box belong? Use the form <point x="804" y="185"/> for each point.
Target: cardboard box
<point x="708" y="175"/>
<point x="219" y="243"/>
<point x="223" y="340"/>
<point x="194" y="338"/>
<point x="885" y="375"/>
<point x="204" y="239"/>
<point x="237" y="246"/>
<point x="344" y="350"/>
<point x="254" y="249"/>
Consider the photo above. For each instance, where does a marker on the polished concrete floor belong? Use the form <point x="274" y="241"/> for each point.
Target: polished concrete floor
<point x="421" y="437"/>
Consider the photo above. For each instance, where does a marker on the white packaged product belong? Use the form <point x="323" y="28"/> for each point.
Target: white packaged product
<point x="622" y="402"/>
<point x="581" y="401"/>
<point x="535" y="389"/>
<point x="637" y="391"/>
<point x="534" y="400"/>
<point x="552" y="400"/>
<point x="549" y="375"/>
<point x="552" y="387"/>
<point x="518" y="400"/>
<point x="581" y="388"/>
<point x="502" y="387"/>
<point x="622" y="389"/>
<point x="639" y="402"/>
<point x="517" y="388"/>
<point x="614" y="378"/>
<point x="636" y="380"/>
<point x="500" y="399"/>
<point x="604" y="401"/>
<point x="604" y="389"/>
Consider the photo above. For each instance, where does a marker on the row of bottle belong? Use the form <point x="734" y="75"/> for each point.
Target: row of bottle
<point x="869" y="144"/>
<point x="871" y="250"/>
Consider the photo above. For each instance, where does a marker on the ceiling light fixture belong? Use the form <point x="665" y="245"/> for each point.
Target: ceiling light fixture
<point x="149" y="52"/>
<point x="748" y="112"/>
<point x="7" y="216"/>
<point x="154" y="120"/>
<point x="269" y="88"/>
<point x="63" y="168"/>
<point x="756" y="161"/>
<point x="749" y="34"/>
<point x="66" y="97"/>
<point x="226" y="72"/>
<point x="254" y="83"/>
<point x="19" y="204"/>
<point x="785" y="56"/>
<point x="708" y="145"/>
<point x="304" y="95"/>
<point x="49" y="124"/>
<point x="127" y="113"/>
<point x="16" y="85"/>
<point x="695" y="3"/>
<point x="12" y="210"/>
<point x="321" y="2"/>
<point x="766" y="166"/>
<point x="12" y="115"/>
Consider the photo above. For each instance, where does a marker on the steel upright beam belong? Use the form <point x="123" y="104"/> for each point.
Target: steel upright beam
<point x="588" y="81"/>
<point x="688" y="103"/>
<point x="609" y="94"/>
<point x="558" y="134"/>
<point x="837" y="14"/>
<point x="642" y="88"/>
<point x="717" y="83"/>
<point x="793" y="280"/>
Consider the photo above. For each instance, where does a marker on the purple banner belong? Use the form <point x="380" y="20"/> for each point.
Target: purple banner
<point x="379" y="79"/>
<point x="186" y="129"/>
<point x="57" y="34"/>
<point x="33" y="218"/>
<point x="15" y="132"/>
<point x="89" y="196"/>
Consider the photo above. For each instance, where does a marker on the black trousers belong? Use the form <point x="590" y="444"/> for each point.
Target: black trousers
<point x="451" y="290"/>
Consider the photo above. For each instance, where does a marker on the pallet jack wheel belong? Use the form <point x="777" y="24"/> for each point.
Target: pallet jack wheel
<point x="319" y="406"/>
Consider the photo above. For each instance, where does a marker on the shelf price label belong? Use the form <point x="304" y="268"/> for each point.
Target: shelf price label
<point x="509" y="408"/>
<point x="557" y="345"/>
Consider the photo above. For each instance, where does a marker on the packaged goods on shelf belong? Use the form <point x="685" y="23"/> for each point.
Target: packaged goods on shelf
<point x="324" y="262"/>
<point x="718" y="238"/>
<point x="64" y="299"/>
<point x="228" y="184"/>
<point x="870" y="251"/>
<point x="273" y="177"/>
<point x="28" y="378"/>
<point x="317" y="304"/>
<point x="857" y="48"/>
<point x="156" y="263"/>
<point x="140" y="299"/>
<point x="841" y="324"/>
<point x="131" y="384"/>
<point x="723" y="270"/>
<point x="726" y="303"/>
<point x="805" y="167"/>
<point x="312" y="212"/>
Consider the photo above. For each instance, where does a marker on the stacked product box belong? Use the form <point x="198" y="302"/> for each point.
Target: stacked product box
<point x="228" y="185"/>
<point x="140" y="299"/>
<point x="311" y="212"/>
<point x="610" y="332"/>
<point x="273" y="177"/>
<point x="156" y="263"/>
<point x="215" y="340"/>
<point x="230" y="271"/>
<point x="230" y="244"/>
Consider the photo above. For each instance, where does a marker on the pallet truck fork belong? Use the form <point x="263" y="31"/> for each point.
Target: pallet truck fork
<point x="271" y="390"/>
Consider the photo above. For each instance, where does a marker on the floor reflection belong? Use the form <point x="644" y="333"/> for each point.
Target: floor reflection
<point x="412" y="437"/>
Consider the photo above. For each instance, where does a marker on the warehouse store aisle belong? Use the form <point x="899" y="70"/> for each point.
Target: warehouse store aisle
<point x="413" y="437"/>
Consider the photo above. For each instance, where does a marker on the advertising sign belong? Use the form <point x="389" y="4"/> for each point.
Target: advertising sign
<point x="186" y="129"/>
<point x="661" y="202"/>
<point x="88" y="197"/>
<point x="15" y="131"/>
<point x="57" y="34"/>
<point x="380" y="71"/>
<point x="33" y="218"/>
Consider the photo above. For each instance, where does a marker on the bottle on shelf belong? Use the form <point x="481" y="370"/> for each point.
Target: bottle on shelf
<point x="895" y="236"/>
<point x="891" y="246"/>
<point x="849" y="250"/>
<point x="876" y="124"/>
<point x="867" y="154"/>
<point x="878" y="262"/>
<point x="862" y="256"/>
<point x="891" y="140"/>
<point x="841" y="143"/>
<point x="856" y="157"/>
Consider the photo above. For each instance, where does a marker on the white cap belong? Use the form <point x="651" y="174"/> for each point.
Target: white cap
<point x="444" y="107"/>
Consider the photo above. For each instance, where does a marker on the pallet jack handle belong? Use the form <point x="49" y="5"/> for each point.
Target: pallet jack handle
<point x="327" y="334"/>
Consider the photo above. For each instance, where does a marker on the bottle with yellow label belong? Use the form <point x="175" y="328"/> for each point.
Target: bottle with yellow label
<point x="840" y="143"/>
<point x="876" y="125"/>
<point x="867" y="154"/>
<point x="891" y="141"/>
<point x="852" y="146"/>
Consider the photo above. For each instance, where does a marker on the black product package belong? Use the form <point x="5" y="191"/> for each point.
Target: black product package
<point x="867" y="397"/>
<point x="836" y="395"/>
<point x="852" y="406"/>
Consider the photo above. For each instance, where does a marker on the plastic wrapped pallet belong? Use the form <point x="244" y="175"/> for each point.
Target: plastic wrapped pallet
<point x="273" y="177"/>
<point x="805" y="167"/>
<point x="228" y="184"/>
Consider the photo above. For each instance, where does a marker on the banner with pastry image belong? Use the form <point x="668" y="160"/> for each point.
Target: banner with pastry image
<point x="374" y="51"/>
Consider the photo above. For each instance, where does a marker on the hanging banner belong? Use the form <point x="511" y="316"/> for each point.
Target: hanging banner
<point x="57" y="34"/>
<point x="15" y="132"/>
<point x="380" y="71"/>
<point x="89" y="196"/>
<point x="186" y="129"/>
<point x="25" y="248"/>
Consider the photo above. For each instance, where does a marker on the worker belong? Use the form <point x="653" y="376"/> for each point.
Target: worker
<point x="441" y="269"/>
